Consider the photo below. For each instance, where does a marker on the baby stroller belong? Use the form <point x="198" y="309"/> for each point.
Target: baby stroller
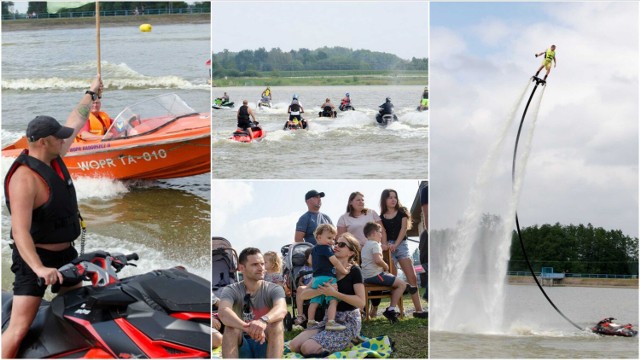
<point x="224" y="265"/>
<point x="294" y="261"/>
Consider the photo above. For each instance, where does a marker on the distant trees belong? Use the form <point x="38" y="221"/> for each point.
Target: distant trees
<point x="576" y="249"/>
<point x="228" y="63"/>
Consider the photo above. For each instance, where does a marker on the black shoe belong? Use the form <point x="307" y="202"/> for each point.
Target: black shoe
<point x="391" y="315"/>
<point x="411" y="289"/>
<point x="421" y="315"/>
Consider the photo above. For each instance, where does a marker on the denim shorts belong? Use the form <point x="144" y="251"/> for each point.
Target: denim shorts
<point x="251" y="349"/>
<point x="402" y="252"/>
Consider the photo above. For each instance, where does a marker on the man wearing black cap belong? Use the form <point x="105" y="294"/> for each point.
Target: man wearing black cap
<point x="44" y="212"/>
<point x="310" y="220"/>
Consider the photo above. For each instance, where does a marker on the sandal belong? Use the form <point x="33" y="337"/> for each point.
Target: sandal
<point x="300" y="319"/>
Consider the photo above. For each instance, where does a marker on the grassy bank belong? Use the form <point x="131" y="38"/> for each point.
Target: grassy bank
<point x="329" y="80"/>
<point x="585" y="282"/>
<point x="410" y="335"/>
<point x="105" y="21"/>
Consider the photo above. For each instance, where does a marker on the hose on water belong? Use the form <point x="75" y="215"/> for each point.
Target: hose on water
<point x="524" y="252"/>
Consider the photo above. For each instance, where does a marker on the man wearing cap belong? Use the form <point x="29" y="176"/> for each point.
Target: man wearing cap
<point x="44" y="212"/>
<point x="312" y="218"/>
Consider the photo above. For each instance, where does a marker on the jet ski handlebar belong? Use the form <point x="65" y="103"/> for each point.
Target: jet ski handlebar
<point x="99" y="267"/>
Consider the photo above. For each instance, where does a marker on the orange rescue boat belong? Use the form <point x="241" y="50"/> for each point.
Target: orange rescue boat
<point x="160" y="138"/>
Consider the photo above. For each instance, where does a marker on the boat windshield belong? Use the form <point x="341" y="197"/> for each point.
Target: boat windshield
<point x="147" y="116"/>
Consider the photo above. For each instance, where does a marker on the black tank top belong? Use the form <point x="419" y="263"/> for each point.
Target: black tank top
<point x="243" y="113"/>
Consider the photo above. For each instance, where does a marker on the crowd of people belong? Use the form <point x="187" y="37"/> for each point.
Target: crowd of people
<point x="339" y="262"/>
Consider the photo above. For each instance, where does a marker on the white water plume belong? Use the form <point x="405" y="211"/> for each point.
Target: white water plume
<point x="469" y="263"/>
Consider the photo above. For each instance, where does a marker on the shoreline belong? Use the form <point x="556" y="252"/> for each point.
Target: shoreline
<point x="578" y="282"/>
<point x="105" y="21"/>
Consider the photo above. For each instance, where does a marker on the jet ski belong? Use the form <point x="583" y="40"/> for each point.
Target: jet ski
<point x="386" y="119"/>
<point x="220" y="104"/>
<point x="264" y="102"/>
<point x="606" y="326"/>
<point x="346" y="107"/>
<point x="243" y="136"/>
<point x="328" y="112"/>
<point x="158" y="314"/>
<point x="296" y="124"/>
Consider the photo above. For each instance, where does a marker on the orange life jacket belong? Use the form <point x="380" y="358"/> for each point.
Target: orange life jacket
<point x="99" y="123"/>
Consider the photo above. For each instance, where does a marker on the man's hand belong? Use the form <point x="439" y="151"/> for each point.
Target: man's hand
<point x="96" y="85"/>
<point x="255" y="329"/>
<point x="50" y="275"/>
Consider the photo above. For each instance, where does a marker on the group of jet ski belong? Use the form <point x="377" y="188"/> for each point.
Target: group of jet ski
<point x="386" y="114"/>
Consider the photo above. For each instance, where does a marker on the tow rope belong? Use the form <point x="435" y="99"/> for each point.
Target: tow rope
<point x="513" y="175"/>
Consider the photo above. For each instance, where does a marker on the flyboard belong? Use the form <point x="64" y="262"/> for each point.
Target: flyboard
<point x="603" y="327"/>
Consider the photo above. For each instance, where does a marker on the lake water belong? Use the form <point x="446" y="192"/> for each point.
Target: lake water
<point x="537" y="331"/>
<point x="47" y="71"/>
<point x="350" y="146"/>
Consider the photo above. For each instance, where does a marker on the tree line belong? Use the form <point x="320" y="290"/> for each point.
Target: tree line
<point x="252" y="62"/>
<point x="583" y="249"/>
<point x="41" y="6"/>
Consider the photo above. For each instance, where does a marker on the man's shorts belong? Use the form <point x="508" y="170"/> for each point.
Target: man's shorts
<point x="546" y="63"/>
<point x="251" y="349"/>
<point x="402" y="252"/>
<point x="244" y="124"/>
<point x="384" y="279"/>
<point x="317" y="281"/>
<point x="26" y="282"/>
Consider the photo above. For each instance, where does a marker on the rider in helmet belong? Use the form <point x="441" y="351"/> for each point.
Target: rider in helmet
<point x="385" y="109"/>
<point x="295" y="111"/>
<point x="345" y="102"/>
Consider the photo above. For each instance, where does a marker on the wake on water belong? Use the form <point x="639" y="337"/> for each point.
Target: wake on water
<point x="469" y="263"/>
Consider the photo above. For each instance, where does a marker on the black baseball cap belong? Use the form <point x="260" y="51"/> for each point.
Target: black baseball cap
<point x="311" y="194"/>
<point x="42" y="126"/>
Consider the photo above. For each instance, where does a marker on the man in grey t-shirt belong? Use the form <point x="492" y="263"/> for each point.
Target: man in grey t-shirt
<point x="252" y="312"/>
<point x="310" y="220"/>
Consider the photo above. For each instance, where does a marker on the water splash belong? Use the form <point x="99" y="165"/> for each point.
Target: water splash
<point x="469" y="263"/>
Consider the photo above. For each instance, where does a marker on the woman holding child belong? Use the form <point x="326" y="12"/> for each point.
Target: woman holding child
<point x="317" y="340"/>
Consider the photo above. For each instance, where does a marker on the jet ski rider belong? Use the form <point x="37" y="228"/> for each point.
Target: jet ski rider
<point x="244" y="122"/>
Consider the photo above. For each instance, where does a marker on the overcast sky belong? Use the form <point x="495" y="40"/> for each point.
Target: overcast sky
<point x="583" y="165"/>
<point x="396" y="27"/>
<point x="264" y="213"/>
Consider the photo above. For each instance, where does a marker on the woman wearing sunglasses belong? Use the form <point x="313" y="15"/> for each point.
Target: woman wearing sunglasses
<point x="316" y="341"/>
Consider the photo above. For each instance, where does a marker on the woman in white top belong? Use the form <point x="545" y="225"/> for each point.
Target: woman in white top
<point x="356" y="217"/>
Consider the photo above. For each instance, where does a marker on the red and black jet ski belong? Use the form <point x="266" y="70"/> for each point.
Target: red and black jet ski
<point x="607" y="327"/>
<point x="160" y="314"/>
<point x="243" y="136"/>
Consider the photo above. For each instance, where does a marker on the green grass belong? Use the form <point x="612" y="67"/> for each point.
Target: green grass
<point x="410" y="335"/>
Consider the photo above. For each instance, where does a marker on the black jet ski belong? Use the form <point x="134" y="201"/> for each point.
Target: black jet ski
<point x="220" y="104"/>
<point x="159" y="314"/>
<point x="328" y="112"/>
<point x="346" y="107"/>
<point x="386" y="119"/>
<point x="608" y="327"/>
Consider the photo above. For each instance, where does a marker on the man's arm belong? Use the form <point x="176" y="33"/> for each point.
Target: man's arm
<point x="78" y="117"/>
<point x="228" y="316"/>
<point x="299" y="237"/>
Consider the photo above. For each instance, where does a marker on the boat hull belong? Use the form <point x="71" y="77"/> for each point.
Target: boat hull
<point x="180" y="150"/>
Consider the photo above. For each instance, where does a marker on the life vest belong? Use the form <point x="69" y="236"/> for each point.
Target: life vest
<point x="57" y="220"/>
<point x="424" y="102"/>
<point x="243" y="113"/>
<point x="295" y="107"/>
<point x="99" y="123"/>
<point x="549" y="55"/>
<point x="345" y="101"/>
<point x="266" y="93"/>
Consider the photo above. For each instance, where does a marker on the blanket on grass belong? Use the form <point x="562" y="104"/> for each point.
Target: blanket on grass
<point x="379" y="347"/>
